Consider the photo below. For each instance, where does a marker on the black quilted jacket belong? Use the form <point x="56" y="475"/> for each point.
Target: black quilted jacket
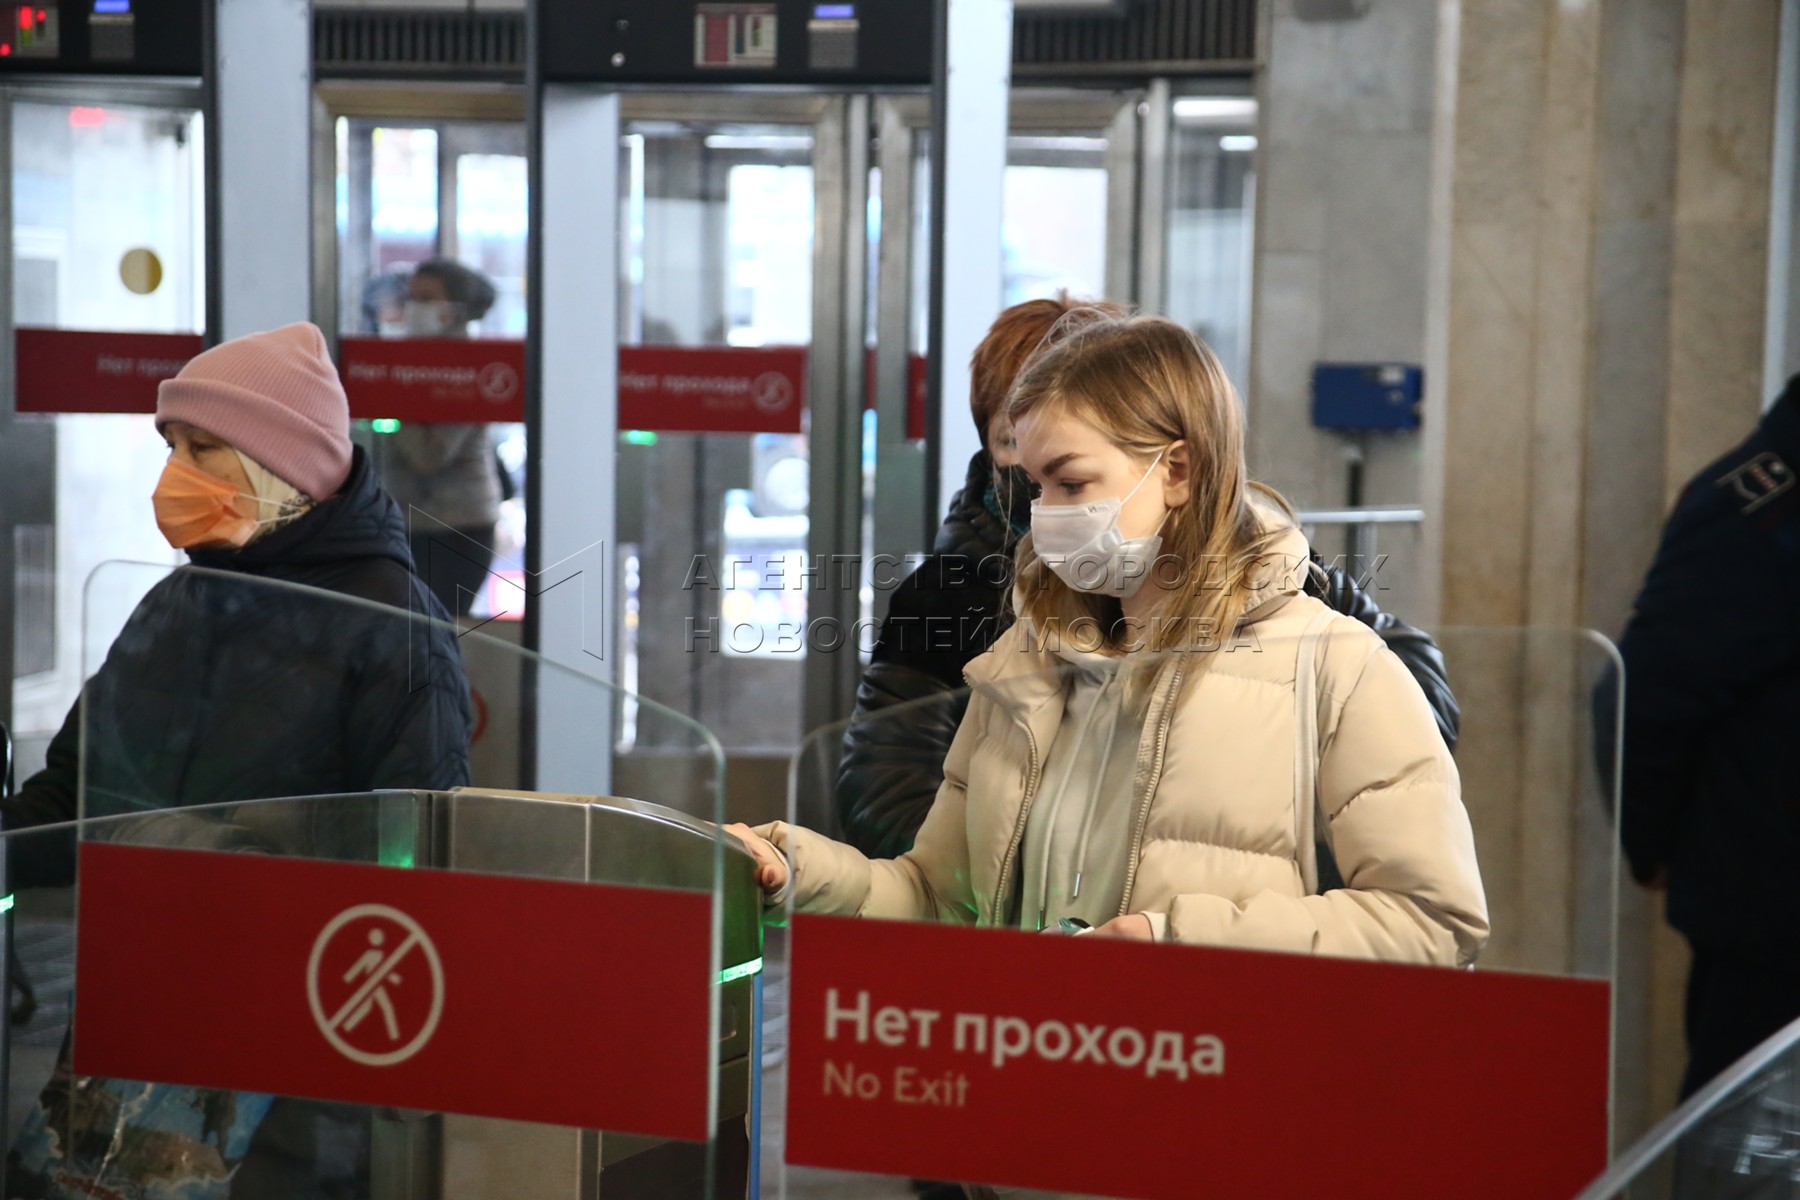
<point x="893" y="763"/>
<point x="219" y="689"/>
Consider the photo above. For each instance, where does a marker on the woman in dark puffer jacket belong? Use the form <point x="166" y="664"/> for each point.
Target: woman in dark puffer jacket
<point x="953" y="607"/>
<point x="253" y="677"/>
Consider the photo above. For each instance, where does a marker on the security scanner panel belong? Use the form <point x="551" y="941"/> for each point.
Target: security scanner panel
<point x="102" y="37"/>
<point x="794" y="42"/>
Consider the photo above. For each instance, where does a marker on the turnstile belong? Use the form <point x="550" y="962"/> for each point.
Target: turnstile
<point x="599" y="839"/>
<point x="592" y="839"/>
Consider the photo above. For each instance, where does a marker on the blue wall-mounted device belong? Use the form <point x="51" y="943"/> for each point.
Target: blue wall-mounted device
<point x="1367" y="396"/>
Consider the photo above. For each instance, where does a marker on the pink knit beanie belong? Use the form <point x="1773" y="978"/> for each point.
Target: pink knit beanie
<point x="275" y="396"/>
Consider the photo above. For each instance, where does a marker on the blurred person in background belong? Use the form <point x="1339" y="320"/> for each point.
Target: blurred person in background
<point x="444" y="475"/>
<point x="954" y="606"/>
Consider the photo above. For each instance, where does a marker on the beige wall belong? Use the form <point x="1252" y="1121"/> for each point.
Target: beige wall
<point x="1602" y="231"/>
<point x="1562" y="208"/>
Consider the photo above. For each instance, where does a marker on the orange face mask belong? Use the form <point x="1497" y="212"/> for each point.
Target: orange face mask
<point x="195" y="509"/>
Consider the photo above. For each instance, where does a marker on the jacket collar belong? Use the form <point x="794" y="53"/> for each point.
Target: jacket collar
<point x="359" y="522"/>
<point x="971" y="528"/>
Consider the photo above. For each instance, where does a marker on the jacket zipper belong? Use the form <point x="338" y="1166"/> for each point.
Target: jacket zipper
<point x="1164" y="721"/>
<point x="1003" y="888"/>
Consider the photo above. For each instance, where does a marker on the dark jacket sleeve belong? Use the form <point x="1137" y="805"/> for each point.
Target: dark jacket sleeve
<point x="1713" y="625"/>
<point x="49" y="796"/>
<point x="912" y="697"/>
<point x="1414" y="647"/>
<point x="893" y="758"/>
<point x="411" y="715"/>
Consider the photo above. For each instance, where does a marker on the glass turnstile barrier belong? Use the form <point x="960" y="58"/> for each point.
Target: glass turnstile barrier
<point x="1738" y="1137"/>
<point x="1264" y="944"/>
<point x="407" y="983"/>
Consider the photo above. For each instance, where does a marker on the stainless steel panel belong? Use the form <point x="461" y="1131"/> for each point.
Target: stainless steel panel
<point x="1122" y="201"/>
<point x="1153" y="197"/>
<point x="900" y="528"/>
<point x="394" y="100"/>
<point x="835" y="385"/>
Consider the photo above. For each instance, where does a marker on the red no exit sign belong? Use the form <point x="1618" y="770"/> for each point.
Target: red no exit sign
<point x="1167" y="1072"/>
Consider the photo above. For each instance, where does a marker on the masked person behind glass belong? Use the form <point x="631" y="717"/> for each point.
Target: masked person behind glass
<point x="216" y="692"/>
<point x="1125" y="762"/>
<point x="444" y="475"/>
<point x="953" y="607"/>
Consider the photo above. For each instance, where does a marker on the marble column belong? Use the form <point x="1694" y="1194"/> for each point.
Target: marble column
<point x="1722" y="189"/>
<point x="1599" y="232"/>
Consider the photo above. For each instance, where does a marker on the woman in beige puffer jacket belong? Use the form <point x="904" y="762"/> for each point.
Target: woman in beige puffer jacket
<point x="1189" y="810"/>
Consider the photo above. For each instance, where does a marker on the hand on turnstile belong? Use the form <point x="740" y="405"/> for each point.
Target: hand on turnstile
<point x="771" y="867"/>
<point x="1136" y="927"/>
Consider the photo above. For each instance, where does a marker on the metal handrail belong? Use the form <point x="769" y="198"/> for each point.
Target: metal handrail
<point x="1672" y="1128"/>
<point x="1396" y="514"/>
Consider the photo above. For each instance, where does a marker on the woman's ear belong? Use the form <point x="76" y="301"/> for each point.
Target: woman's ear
<point x="1178" y="486"/>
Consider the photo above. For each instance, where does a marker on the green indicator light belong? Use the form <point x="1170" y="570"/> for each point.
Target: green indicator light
<point x="741" y="971"/>
<point x="402" y="859"/>
<point x="6" y="903"/>
<point x="640" y="437"/>
<point x="385" y="425"/>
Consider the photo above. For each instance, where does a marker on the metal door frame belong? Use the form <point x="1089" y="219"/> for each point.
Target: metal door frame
<point x="906" y="521"/>
<point x="26" y="485"/>
<point x="840" y="125"/>
<point x="1129" y="118"/>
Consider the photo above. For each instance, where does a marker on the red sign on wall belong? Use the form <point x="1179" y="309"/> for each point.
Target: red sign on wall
<point x="712" y="389"/>
<point x="434" y="379"/>
<point x="81" y="371"/>
<point x="563" y="1003"/>
<point x="1166" y="1072"/>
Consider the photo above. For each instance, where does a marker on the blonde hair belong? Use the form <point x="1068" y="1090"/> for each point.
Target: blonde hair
<point x="1146" y="383"/>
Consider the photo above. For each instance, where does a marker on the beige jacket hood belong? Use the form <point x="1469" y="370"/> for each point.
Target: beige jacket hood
<point x="1214" y="847"/>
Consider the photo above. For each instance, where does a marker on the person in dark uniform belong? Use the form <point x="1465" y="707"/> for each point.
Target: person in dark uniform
<point x="1710" y="809"/>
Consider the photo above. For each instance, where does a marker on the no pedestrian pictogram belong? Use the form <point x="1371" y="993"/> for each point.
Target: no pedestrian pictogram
<point x="375" y="985"/>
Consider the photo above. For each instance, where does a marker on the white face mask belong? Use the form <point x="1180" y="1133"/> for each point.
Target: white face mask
<point x="1083" y="545"/>
<point x="430" y="318"/>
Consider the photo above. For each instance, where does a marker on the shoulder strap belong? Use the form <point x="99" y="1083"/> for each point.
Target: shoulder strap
<point x="1307" y="819"/>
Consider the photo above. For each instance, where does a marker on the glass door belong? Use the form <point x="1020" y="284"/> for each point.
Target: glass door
<point x="1210" y="213"/>
<point x="108" y="294"/>
<point x="1080" y="148"/>
<point x="716" y="310"/>
<point x="420" y="250"/>
<point x="429" y="214"/>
